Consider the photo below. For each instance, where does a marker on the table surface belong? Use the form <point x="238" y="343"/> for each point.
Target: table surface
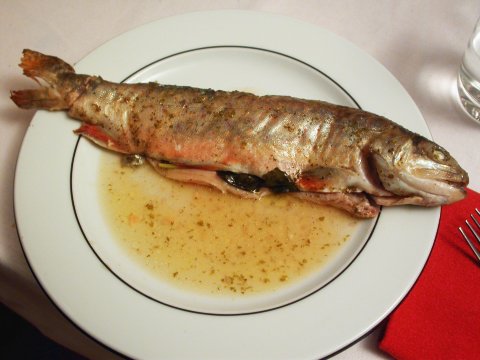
<point x="420" y="42"/>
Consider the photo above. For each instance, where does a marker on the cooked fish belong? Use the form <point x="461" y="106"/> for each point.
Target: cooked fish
<point x="252" y="145"/>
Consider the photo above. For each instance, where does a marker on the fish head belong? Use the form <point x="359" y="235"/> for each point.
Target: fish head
<point x="411" y="165"/>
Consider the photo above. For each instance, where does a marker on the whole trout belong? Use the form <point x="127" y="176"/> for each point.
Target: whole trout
<point x="252" y="145"/>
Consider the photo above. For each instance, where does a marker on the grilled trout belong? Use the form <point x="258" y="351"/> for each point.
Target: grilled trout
<point x="252" y="145"/>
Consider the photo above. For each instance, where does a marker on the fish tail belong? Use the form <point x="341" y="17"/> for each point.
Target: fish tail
<point x="43" y="98"/>
<point x="37" y="65"/>
<point x="58" y="78"/>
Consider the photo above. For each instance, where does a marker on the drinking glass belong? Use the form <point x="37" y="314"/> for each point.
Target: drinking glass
<point x="469" y="76"/>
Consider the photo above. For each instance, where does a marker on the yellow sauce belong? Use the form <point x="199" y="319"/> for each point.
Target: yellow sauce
<point x="214" y="243"/>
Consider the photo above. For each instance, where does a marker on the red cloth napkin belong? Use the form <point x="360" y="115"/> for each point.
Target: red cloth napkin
<point x="440" y="317"/>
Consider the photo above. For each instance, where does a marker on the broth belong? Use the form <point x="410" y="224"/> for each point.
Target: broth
<point x="200" y="239"/>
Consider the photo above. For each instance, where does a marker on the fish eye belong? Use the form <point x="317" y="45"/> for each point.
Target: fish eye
<point x="438" y="155"/>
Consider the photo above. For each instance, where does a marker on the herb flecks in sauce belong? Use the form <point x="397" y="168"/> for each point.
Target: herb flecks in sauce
<point x="200" y="239"/>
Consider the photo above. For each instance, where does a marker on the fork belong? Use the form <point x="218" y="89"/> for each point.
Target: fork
<point x="474" y="249"/>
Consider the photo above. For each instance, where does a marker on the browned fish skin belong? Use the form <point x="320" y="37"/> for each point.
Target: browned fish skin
<point x="228" y="130"/>
<point x="321" y="147"/>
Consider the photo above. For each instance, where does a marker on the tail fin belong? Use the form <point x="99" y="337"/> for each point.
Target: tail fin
<point x="52" y="70"/>
<point x="43" y="98"/>
<point x="37" y="65"/>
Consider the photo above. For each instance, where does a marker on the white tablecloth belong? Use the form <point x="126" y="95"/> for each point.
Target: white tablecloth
<point x="420" y="42"/>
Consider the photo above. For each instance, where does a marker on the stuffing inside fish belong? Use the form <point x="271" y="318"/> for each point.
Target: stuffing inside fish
<point x="251" y="145"/>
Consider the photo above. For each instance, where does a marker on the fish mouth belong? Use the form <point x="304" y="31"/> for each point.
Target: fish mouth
<point x="454" y="176"/>
<point x="451" y="192"/>
<point x="440" y="190"/>
<point x="445" y="181"/>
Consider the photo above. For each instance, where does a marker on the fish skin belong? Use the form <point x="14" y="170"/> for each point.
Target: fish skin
<point x="321" y="147"/>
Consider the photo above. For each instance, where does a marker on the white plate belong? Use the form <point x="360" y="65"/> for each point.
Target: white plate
<point x="227" y="50"/>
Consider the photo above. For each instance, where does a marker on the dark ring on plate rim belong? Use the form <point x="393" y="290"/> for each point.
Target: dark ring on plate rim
<point x="204" y="312"/>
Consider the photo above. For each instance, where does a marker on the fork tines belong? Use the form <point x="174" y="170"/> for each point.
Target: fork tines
<point x="474" y="232"/>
